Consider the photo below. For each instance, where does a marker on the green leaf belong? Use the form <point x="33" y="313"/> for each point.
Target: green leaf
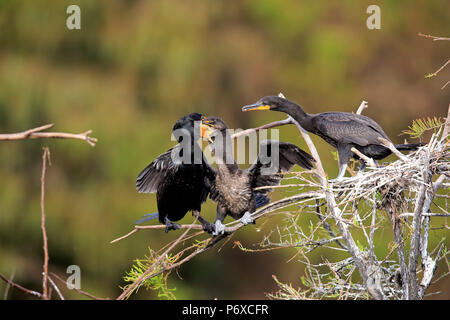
<point x="420" y="126"/>
<point x="157" y="283"/>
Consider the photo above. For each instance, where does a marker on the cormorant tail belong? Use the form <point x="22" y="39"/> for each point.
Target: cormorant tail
<point x="409" y="146"/>
<point x="261" y="200"/>
<point x="147" y="217"/>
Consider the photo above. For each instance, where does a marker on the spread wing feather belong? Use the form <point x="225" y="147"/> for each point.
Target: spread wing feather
<point x="150" y="178"/>
<point x="266" y="172"/>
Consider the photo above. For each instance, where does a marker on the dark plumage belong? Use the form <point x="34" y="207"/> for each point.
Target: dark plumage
<point x="180" y="177"/>
<point x="342" y="130"/>
<point x="233" y="187"/>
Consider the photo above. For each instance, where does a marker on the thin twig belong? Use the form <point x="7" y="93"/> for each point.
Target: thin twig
<point x="13" y="273"/>
<point x="56" y="288"/>
<point x="45" y="157"/>
<point x="84" y="293"/>
<point x="426" y="214"/>
<point x="433" y="37"/>
<point x="266" y="126"/>
<point x="234" y="225"/>
<point x="17" y="286"/>
<point x="438" y="70"/>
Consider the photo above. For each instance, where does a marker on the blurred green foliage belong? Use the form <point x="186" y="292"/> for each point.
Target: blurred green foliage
<point x="137" y="66"/>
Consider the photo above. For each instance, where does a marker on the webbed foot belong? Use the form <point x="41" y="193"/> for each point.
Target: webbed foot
<point x="247" y="218"/>
<point x="171" y="225"/>
<point x="219" y="228"/>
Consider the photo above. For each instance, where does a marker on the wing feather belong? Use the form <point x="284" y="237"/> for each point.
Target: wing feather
<point x="150" y="178"/>
<point x="345" y="127"/>
<point x="265" y="172"/>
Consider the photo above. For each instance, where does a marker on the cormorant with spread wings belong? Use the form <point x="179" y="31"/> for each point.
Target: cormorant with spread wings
<point x="233" y="188"/>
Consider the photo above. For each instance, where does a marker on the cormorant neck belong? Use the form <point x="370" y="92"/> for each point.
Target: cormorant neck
<point x="297" y="113"/>
<point x="223" y="152"/>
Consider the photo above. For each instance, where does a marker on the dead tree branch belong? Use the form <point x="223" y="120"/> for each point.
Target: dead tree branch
<point x="45" y="157"/>
<point x="37" y="133"/>
<point x="431" y="75"/>
<point x="433" y="37"/>
<point x="18" y="286"/>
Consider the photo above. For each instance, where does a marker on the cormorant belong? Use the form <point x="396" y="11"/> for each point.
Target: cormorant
<point x="233" y="187"/>
<point x="342" y="130"/>
<point x="180" y="177"/>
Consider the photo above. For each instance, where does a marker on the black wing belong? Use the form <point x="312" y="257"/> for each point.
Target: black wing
<point x="150" y="178"/>
<point x="345" y="127"/>
<point x="265" y="172"/>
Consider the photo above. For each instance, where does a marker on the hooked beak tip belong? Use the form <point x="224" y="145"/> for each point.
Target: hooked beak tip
<point x="255" y="106"/>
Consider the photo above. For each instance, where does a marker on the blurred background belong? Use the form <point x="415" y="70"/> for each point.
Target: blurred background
<point x="135" y="67"/>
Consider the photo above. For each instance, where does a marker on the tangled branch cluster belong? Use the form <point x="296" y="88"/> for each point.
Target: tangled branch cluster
<point x="404" y="192"/>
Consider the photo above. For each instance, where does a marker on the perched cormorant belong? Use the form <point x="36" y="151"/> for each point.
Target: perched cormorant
<point x="180" y="177"/>
<point x="233" y="187"/>
<point x="342" y="130"/>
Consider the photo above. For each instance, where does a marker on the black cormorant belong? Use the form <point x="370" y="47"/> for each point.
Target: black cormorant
<point x="233" y="187"/>
<point x="180" y="177"/>
<point x="342" y="130"/>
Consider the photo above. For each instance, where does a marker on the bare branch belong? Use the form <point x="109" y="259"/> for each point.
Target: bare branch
<point x="45" y="157"/>
<point x="8" y="285"/>
<point x="77" y="290"/>
<point x="362" y="106"/>
<point x="416" y="225"/>
<point x="433" y="37"/>
<point x="234" y="225"/>
<point x="17" y="286"/>
<point x="266" y="126"/>
<point x="367" y="160"/>
<point x="391" y="147"/>
<point x="56" y="288"/>
<point x="438" y="70"/>
<point x="36" y="134"/>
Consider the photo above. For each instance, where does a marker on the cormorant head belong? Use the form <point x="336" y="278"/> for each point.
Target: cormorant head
<point x="187" y="122"/>
<point x="210" y="126"/>
<point x="267" y="103"/>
